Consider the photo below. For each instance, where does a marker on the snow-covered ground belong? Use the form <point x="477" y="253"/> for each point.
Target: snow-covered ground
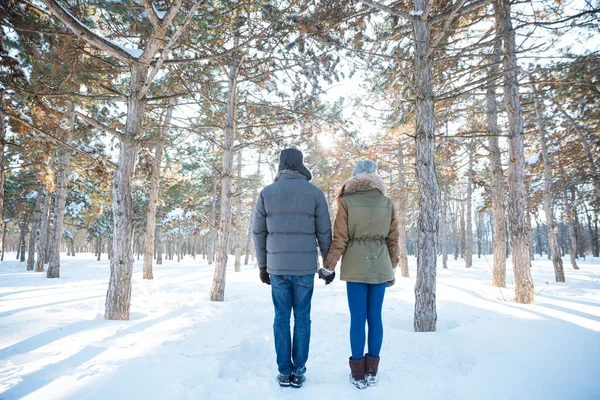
<point x="55" y="344"/>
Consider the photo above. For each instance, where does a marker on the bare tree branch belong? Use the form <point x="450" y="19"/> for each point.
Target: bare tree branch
<point x="165" y="50"/>
<point x="151" y="14"/>
<point x="87" y="34"/>
<point x="387" y="9"/>
<point x="465" y="10"/>
<point x="99" y="125"/>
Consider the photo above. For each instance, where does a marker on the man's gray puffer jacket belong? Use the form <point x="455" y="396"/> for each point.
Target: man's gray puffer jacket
<point x="291" y="217"/>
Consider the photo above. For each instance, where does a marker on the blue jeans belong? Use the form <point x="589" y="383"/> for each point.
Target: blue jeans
<point x="292" y="293"/>
<point x="365" y="302"/>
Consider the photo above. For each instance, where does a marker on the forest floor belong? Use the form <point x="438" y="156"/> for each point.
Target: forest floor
<point x="55" y="344"/>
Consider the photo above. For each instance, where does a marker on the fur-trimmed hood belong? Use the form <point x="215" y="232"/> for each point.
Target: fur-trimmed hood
<point x="354" y="184"/>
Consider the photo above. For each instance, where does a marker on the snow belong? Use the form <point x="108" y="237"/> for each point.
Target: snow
<point x="55" y="344"/>
<point x="159" y="14"/>
<point x="415" y="13"/>
<point x="175" y="214"/>
<point x="136" y="53"/>
<point x="534" y="159"/>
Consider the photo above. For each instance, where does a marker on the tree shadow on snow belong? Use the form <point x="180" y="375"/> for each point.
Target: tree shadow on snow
<point x="40" y="378"/>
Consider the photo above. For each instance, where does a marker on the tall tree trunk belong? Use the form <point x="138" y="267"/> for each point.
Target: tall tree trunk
<point x="158" y="239"/>
<point x="60" y="199"/>
<point x="99" y="247"/>
<point x="445" y="226"/>
<point x="35" y="225"/>
<point x="425" y="316"/>
<point x="498" y="210"/>
<point x="2" y="137"/>
<point x="217" y="292"/>
<point x="569" y="215"/>
<point x="402" y="256"/>
<point x="4" y="229"/>
<point x="578" y="227"/>
<point x="596" y="254"/>
<point x="44" y="232"/>
<point x="455" y="234"/>
<point x="530" y="233"/>
<point x="23" y="234"/>
<point x="179" y="242"/>
<point x="553" y="249"/>
<point x="213" y="218"/>
<point x="254" y="195"/>
<point x="463" y="231"/>
<point x="517" y="195"/>
<point x="469" y="211"/>
<point x="238" y="217"/>
<point x="118" y="297"/>
<point x="479" y="226"/>
<point x="153" y="194"/>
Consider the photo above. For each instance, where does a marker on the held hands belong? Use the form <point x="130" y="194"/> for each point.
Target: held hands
<point x="264" y="276"/>
<point x="391" y="283"/>
<point x="326" y="275"/>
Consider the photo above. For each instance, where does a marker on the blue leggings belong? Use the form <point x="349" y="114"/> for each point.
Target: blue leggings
<point x="365" y="302"/>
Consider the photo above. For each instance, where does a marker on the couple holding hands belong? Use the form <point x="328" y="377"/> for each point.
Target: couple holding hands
<point x="291" y="217"/>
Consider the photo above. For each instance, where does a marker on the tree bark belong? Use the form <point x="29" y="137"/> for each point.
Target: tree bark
<point x="44" y="233"/>
<point x="2" y="138"/>
<point x="179" y="242"/>
<point x="517" y="195"/>
<point x="254" y="195"/>
<point x="469" y="211"/>
<point x="425" y="316"/>
<point x="479" y="226"/>
<point x="402" y="255"/>
<point x="569" y="215"/>
<point x="159" y="241"/>
<point x="238" y="217"/>
<point x="118" y="297"/>
<point x="217" y="292"/>
<point x="498" y="209"/>
<point x="559" y="273"/>
<point x="213" y="218"/>
<point x="578" y="226"/>
<point x="35" y="225"/>
<point x="23" y="234"/>
<point x="153" y="195"/>
<point x="445" y="226"/>
<point x="60" y="199"/>
<point x="463" y="231"/>
<point x="530" y="232"/>
<point x="455" y="233"/>
<point x="4" y="229"/>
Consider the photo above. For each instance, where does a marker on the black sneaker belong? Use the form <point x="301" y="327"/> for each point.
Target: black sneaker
<point x="284" y="380"/>
<point x="297" y="381"/>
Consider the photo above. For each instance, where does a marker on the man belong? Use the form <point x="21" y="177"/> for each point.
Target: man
<point x="291" y="217"/>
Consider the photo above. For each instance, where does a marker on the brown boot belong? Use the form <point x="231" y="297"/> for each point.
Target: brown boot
<point x="357" y="373"/>
<point x="371" y="367"/>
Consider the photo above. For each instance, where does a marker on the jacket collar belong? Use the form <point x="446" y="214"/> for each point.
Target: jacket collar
<point x="363" y="182"/>
<point x="287" y="174"/>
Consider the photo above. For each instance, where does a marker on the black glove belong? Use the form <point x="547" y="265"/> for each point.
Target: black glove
<point x="326" y="275"/>
<point x="264" y="276"/>
<point x="391" y="283"/>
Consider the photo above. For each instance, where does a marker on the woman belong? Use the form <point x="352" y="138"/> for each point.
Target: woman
<point x="366" y="238"/>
